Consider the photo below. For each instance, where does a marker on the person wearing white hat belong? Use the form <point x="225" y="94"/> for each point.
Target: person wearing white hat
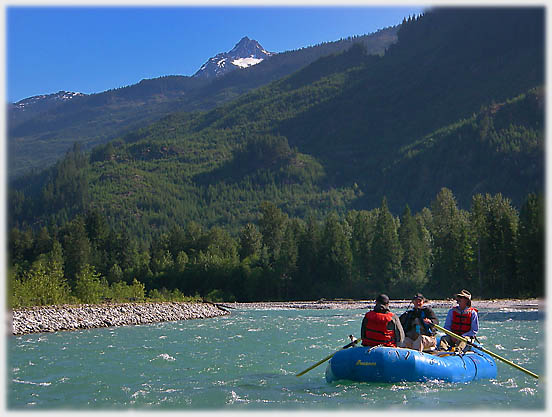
<point x="462" y="320"/>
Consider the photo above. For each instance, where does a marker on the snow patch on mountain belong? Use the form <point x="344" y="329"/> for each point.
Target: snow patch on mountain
<point x="46" y="99"/>
<point x="246" y="62"/>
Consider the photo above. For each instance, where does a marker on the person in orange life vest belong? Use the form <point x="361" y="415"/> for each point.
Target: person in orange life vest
<point x="417" y="325"/>
<point x="462" y="320"/>
<point x="380" y="326"/>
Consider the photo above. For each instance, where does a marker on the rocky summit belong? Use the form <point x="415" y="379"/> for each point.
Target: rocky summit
<point x="247" y="52"/>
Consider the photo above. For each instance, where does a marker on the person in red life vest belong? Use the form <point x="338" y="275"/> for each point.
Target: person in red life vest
<point x="417" y="325"/>
<point x="462" y="320"/>
<point x="380" y="326"/>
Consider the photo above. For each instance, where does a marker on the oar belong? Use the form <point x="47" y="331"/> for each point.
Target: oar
<point x="354" y="342"/>
<point x="494" y="355"/>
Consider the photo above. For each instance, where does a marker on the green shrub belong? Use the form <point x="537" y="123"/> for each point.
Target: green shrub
<point x="163" y="295"/>
<point x="88" y="287"/>
<point x="43" y="284"/>
<point x="218" y="296"/>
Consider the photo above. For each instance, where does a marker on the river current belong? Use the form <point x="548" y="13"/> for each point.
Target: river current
<point x="248" y="361"/>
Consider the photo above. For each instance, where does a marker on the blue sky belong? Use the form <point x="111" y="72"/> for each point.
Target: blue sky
<point x="93" y="49"/>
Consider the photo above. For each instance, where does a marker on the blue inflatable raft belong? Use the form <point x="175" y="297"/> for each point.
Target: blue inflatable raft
<point x="387" y="364"/>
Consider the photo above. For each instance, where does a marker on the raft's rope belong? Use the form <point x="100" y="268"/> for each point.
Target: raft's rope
<point x="373" y="347"/>
<point x="475" y="365"/>
<point x="463" y="361"/>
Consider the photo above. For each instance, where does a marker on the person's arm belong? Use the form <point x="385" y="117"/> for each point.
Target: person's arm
<point x="362" y="328"/>
<point x="399" y="332"/>
<point x="404" y="319"/>
<point x="431" y="315"/>
<point x="474" y="325"/>
<point x="448" y="321"/>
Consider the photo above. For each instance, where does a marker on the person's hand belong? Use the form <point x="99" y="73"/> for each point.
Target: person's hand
<point x="427" y="321"/>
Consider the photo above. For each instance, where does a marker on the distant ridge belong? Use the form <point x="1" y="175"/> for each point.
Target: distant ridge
<point x="55" y="98"/>
<point x="40" y="135"/>
<point x="31" y="106"/>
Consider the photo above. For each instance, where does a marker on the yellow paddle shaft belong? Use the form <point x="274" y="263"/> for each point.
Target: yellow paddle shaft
<point x="326" y="358"/>
<point x="494" y="355"/>
<point x="316" y="364"/>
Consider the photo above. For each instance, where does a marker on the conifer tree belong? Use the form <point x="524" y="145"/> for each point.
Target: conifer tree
<point x="76" y="247"/>
<point x="494" y="225"/>
<point x="250" y="241"/>
<point x="272" y="225"/>
<point x="531" y="270"/>
<point x="478" y="220"/>
<point x="502" y="223"/>
<point x="363" y="226"/>
<point x="415" y="254"/>
<point x="386" y="253"/>
<point x="43" y="242"/>
<point x="453" y="249"/>
<point x="308" y="259"/>
<point x="21" y="245"/>
<point x="336" y="256"/>
<point x="286" y="265"/>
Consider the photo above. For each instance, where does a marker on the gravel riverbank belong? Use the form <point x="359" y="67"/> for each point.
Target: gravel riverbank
<point x="394" y="304"/>
<point x="87" y="316"/>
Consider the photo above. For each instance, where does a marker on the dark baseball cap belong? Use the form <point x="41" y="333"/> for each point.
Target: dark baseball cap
<point x="382" y="299"/>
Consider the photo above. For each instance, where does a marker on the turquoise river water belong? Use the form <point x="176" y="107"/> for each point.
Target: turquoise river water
<point x="248" y="361"/>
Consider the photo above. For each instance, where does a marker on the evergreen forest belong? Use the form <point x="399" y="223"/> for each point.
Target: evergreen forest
<point x="417" y="169"/>
<point x="493" y="249"/>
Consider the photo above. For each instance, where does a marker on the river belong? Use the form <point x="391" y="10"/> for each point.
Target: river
<point x="248" y="361"/>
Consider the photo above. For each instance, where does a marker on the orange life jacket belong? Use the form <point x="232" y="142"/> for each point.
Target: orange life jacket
<point x="375" y="330"/>
<point x="461" y="321"/>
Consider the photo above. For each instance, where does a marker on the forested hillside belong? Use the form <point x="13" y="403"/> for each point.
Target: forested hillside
<point x="38" y="137"/>
<point x="306" y="187"/>
<point x="342" y="133"/>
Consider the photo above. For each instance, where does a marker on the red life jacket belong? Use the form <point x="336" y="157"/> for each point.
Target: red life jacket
<point x="461" y="321"/>
<point x="375" y="330"/>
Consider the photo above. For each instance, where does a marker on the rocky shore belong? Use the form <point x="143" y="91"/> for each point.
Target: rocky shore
<point x="87" y="316"/>
<point x="533" y="303"/>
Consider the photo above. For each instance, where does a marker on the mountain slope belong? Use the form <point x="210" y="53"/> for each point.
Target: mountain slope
<point x="497" y="150"/>
<point x="432" y="77"/>
<point x="38" y="141"/>
<point x="343" y="132"/>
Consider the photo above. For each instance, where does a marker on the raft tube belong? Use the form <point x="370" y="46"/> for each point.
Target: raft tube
<point x="388" y="364"/>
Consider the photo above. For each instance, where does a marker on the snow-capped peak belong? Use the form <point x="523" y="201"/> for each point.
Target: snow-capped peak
<point x="247" y="52"/>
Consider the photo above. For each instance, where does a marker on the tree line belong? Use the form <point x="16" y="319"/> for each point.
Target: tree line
<point x="493" y="249"/>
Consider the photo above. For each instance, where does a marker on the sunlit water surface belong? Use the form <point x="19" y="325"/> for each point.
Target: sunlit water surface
<point x="248" y="360"/>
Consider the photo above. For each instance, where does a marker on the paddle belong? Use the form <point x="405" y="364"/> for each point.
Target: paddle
<point x="494" y="355"/>
<point x="354" y="342"/>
